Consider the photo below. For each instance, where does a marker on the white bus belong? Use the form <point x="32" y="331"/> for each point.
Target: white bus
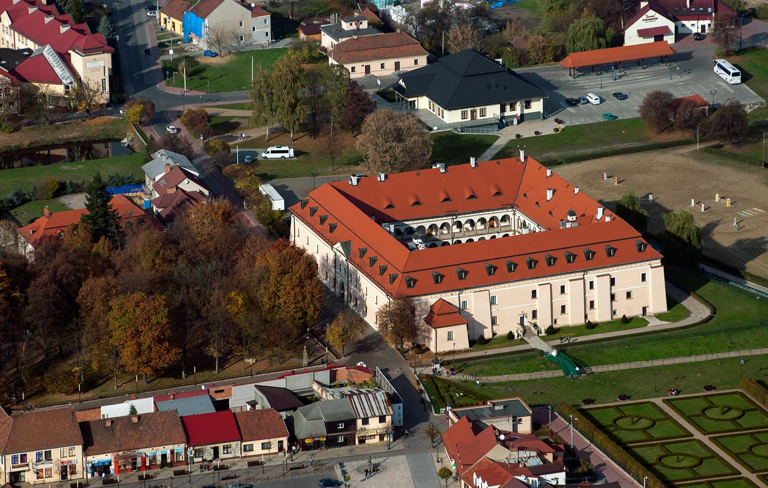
<point x="727" y="71"/>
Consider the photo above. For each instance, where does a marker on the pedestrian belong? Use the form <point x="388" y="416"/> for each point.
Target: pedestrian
<point x="366" y="473"/>
<point x="311" y="461"/>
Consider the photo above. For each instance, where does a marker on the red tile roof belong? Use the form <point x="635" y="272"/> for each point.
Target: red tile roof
<point x="376" y="46"/>
<point x="256" y="10"/>
<point x="122" y="434"/>
<point x="341" y="213"/>
<point x="617" y="54"/>
<point x="42" y="429"/>
<point x="258" y="425"/>
<point x="654" y="31"/>
<point x="211" y="428"/>
<point x="36" y="69"/>
<point x="444" y="314"/>
<point x="204" y="8"/>
<point x="310" y="29"/>
<point x="175" y="9"/>
<point x="461" y="436"/>
<point x="173" y="178"/>
<point x="173" y="203"/>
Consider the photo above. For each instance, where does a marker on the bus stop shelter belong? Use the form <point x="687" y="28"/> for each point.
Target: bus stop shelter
<point x="615" y="56"/>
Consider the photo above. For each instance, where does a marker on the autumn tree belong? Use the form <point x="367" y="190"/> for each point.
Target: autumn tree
<point x="432" y="21"/>
<point x="219" y="325"/>
<point x="101" y="219"/>
<point x="197" y="121"/>
<point x="392" y="142"/>
<point x="462" y="37"/>
<point x="314" y="99"/>
<point x="47" y="188"/>
<point x="288" y="87"/>
<point x="731" y="122"/>
<point x="177" y="143"/>
<point x="610" y="11"/>
<point x="357" y="106"/>
<point x="139" y="326"/>
<point x="332" y="147"/>
<point x="588" y="34"/>
<point x="305" y="50"/>
<point x="214" y="147"/>
<point x="143" y="114"/>
<point x="724" y="32"/>
<point x="689" y="115"/>
<point x="94" y="299"/>
<point x="432" y="432"/>
<point x="629" y="209"/>
<point x="397" y="321"/>
<point x="681" y="239"/>
<point x="345" y="329"/>
<point x="133" y="113"/>
<point x="657" y="110"/>
<point x="514" y="29"/>
<point x="86" y="96"/>
<point x="445" y="474"/>
<point x="263" y="100"/>
<point x="541" y="49"/>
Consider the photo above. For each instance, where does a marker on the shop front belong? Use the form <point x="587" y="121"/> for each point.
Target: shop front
<point x="68" y="469"/>
<point x="100" y="468"/>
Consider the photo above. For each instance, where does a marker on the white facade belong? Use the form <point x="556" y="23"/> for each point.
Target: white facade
<point x="143" y="405"/>
<point x="650" y="20"/>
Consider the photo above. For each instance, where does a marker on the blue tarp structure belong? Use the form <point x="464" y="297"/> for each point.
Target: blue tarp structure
<point x="192" y="25"/>
<point x="119" y="190"/>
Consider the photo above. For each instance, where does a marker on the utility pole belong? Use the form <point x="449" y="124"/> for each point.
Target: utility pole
<point x="572" y="447"/>
<point x="655" y="372"/>
<point x="443" y="42"/>
<point x="185" y="75"/>
<point x="251" y="70"/>
<point x="763" y="148"/>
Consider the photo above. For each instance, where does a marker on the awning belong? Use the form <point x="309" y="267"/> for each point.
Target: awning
<point x="617" y="54"/>
<point x="654" y="31"/>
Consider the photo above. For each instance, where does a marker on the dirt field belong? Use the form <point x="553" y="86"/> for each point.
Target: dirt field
<point x="674" y="177"/>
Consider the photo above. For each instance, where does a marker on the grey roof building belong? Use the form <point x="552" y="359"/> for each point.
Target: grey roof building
<point x="511" y="414"/>
<point x="337" y="33"/>
<point x="193" y="405"/>
<point x="156" y="167"/>
<point x="324" y="418"/>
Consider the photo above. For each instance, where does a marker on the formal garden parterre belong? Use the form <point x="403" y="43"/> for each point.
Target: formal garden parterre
<point x="720" y="413"/>
<point x="750" y="449"/>
<point x="726" y="483"/>
<point x="636" y="422"/>
<point x="675" y="461"/>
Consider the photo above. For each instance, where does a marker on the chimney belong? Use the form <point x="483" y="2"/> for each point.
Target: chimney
<point x="576" y="190"/>
<point x="47" y="212"/>
<point x="549" y="172"/>
<point x="381" y="177"/>
<point x="600" y="213"/>
<point x="109" y="423"/>
<point x="607" y="218"/>
<point x="173" y="395"/>
<point x="550" y="193"/>
<point x="31" y="9"/>
<point x="522" y="153"/>
<point x="353" y="179"/>
<point x="354" y="38"/>
<point x="167" y="168"/>
<point x="63" y="28"/>
<point x="472" y="162"/>
<point x="48" y="18"/>
<point x="171" y="189"/>
<point x="135" y="419"/>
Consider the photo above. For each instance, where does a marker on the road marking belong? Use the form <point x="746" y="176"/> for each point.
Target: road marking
<point x="725" y="86"/>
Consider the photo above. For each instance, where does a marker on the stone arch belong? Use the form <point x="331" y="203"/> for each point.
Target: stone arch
<point x="445" y="228"/>
<point x="505" y="235"/>
<point x="469" y="225"/>
<point x="409" y="231"/>
<point x="481" y="239"/>
<point x="457" y="241"/>
<point x="445" y="243"/>
<point x="398" y="232"/>
<point x="457" y="226"/>
<point x="493" y="222"/>
<point x="482" y="223"/>
<point x="492" y="237"/>
<point x="434" y="244"/>
<point x="421" y="230"/>
<point x="432" y="230"/>
<point x="505" y="220"/>
<point x="470" y="240"/>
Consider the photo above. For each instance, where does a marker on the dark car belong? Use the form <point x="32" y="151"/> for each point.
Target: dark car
<point x="697" y="36"/>
<point x="571" y="101"/>
<point x="619" y="96"/>
<point x="583" y="100"/>
<point x="151" y="6"/>
<point x="326" y="482"/>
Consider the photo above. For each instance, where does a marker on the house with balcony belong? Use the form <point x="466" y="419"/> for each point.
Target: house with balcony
<point x="41" y="446"/>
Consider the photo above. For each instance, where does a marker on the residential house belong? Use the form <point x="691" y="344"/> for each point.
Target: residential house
<point x="469" y="88"/>
<point x="664" y="20"/>
<point x="53" y="225"/>
<point x="187" y="403"/>
<point x="214" y="24"/>
<point x="172" y="16"/>
<point x="261" y="24"/>
<point x="65" y="53"/>
<point x="41" y="446"/>
<point x="509" y="414"/>
<point x="330" y="423"/>
<point x="176" y="190"/>
<point x="373" y="413"/>
<point x="525" y="250"/>
<point x="372" y="17"/>
<point x="310" y="32"/>
<point x="349" y="28"/>
<point x="282" y="400"/>
<point x="379" y="54"/>
<point x="157" y="167"/>
<point x="133" y="443"/>
<point x="212" y="436"/>
<point x="263" y="432"/>
<point x="447" y="328"/>
<point x="123" y="409"/>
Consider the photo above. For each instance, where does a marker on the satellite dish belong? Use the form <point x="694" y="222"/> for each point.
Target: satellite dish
<point x="501" y="437"/>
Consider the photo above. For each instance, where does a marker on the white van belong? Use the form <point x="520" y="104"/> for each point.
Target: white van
<point x="278" y="152"/>
<point x="593" y="99"/>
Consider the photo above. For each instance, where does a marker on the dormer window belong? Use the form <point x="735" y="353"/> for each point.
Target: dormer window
<point x="332" y="227"/>
<point x="569" y="257"/>
<point x="531" y="263"/>
<point x="437" y="277"/>
<point x="392" y="278"/>
<point x="461" y="273"/>
<point x="312" y="211"/>
<point x="382" y="269"/>
<point x="510" y="266"/>
<point x="537" y="205"/>
<point x="589" y="254"/>
<point x="163" y="182"/>
<point x="323" y="218"/>
<point x="363" y="250"/>
<point x="525" y="195"/>
<point x="610" y="251"/>
<point x="490" y="269"/>
<point x="550" y="260"/>
<point x="409" y="282"/>
<point x="304" y="202"/>
<point x="372" y="260"/>
<point x="640" y="246"/>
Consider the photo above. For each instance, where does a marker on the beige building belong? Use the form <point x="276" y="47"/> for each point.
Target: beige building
<point x="508" y="243"/>
<point x="378" y="54"/>
<point x="263" y="432"/>
<point x="337" y="32"/>
<point x="43" y="446"/>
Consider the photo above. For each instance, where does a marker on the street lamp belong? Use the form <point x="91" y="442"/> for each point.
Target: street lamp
<point x="644" y="480"/>
<point x="601" y="80"/>
<point x="655" y="372"/>
<point x="713" y="93"/>
<point x="572" y="447"/>
<point x="201" y="100"/>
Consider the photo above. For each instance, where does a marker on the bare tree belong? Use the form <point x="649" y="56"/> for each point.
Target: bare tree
<point x="238" y="39"/>
<point x="332" y="146"/>
<point x="724" y="32"/>
<point x="87" y="95"/>
<point x="392" y="142"/>
<point x="218" y="37"/>
<point x="463" y="36"/>
<point x="656" y="110"/>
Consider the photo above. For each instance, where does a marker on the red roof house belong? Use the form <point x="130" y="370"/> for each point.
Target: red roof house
<point x="210" y="429"/>
<point x="262" y="431"/>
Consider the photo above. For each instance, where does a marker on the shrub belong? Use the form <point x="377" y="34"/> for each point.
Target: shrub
<point x="755" y="390"/>
<point x="19" y="197"/>
<point x="481" y="341"/>
<point x="589" y="325"/>
<point x="510" y="336"/>
<point x="196" y="121"/>
<point x="215" y="146"/>
<point x="550" y="330"/>
<point x="48" y="188"/>
<point x="6" y="128"/>
<point x="62" y="379"/>
<point x="625" y="320"/>
<point x="601" y="440"/>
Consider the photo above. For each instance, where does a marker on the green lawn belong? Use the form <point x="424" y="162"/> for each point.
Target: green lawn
<point x="231" y="106"/>
<point x="31" y="210"/>
<point x="635" y="422"/>
<point x="451" y="148"/>
<point x="750" y="450"/>
<point x="676" y="312"/>
<point x="638" y="383"/>
<point x="224" y="124"/>
<point x="231" y="73"/>
<point x="443" y="392"/>
<point x="24" y="178"/>
<point x="727" y="483"/>
<point x="496" y="342"/>
<point x="532" y="5"/>
<point x="528" y="362"/>
<point x="753" y="63"/>
<point x="681" y="461"/>
<point x="719" y="413"/>
<point x="612" y="326"/>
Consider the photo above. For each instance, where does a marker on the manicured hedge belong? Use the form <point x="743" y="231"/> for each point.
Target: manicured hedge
<point x="434" y="393"/>
<point x="755" y="390"/>
<point x="602" y="441"/>
<point x="734" y="271"/>
<point x="617" y="151"/>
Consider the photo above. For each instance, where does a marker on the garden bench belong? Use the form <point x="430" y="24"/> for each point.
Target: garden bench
<point x="709" y="388"/>
<point x="587" y="401"/>
<point x="623" y="398"/>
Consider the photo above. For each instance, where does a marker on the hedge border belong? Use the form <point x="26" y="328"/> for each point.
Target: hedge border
<point x="617" y="151"/>
<point x="754" y="389"/>
<point x="734" y="271"/>
<point x="686" y="434"/>
<point x="735" y="456"/>
<point x="668" y="402"/>
<point x="609" y="447"/>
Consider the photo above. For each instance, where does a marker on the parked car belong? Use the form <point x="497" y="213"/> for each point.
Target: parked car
<point x="593" y="99"/>
<point x="572" y="101"/>
<point x="210" y="54"/>
<point x="151" y="13"/>
<point x="248" y="159"/>
<point x="619" y="96"/>
<point x="239" y="485"/>
<point x="609" y="116"/>
<point x="697" y="36"/>
<point x="278" y="152"/>
<point x="583" y="100"/>
<point x="326" y="482"/>
<point x="172" y="129"/>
